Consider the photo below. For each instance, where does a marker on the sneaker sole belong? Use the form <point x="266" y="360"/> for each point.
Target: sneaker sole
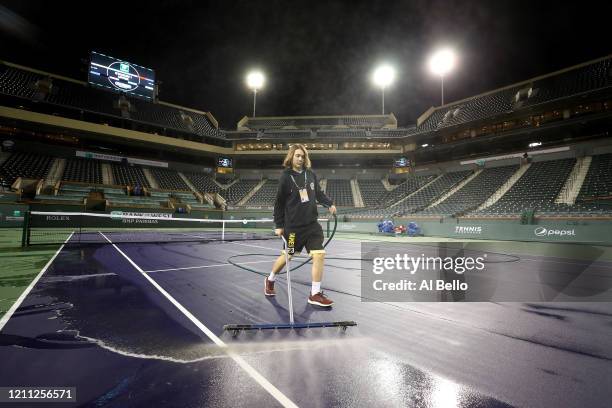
<point x="312" y="302"/>
<point x="266" y="292"/>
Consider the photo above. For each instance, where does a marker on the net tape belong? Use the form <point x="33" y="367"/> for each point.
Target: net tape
<point x="55" y="227"/>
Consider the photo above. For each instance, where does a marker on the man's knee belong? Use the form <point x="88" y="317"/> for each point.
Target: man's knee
<point x="317" y="253"/>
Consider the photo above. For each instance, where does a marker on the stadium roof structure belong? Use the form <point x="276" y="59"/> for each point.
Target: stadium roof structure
<point x="318" y="122"/>
<point x="353" y="127"/>
<point x="576" y="81"/>
<point x="325" y="134"/>
<point x="592" y="78"/>
<point x="71" y="96"/>
<point x="506" y="113"/>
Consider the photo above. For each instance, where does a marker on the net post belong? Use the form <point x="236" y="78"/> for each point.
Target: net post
<point x="81" y="221"/>
<point x="25" y="234"/>
<point x="223" y="230"/>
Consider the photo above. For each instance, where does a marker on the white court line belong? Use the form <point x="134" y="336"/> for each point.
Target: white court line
<point x="204" y="266"/>
<point x="333" y="266"/>
<point x="224" y="264"/>
<point x="25" y="293"/>
<point x="275" y="249"/>
<point x="348" y="253"/>
<point x="260" y="379"/>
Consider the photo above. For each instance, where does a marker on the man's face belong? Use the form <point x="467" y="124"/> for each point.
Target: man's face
<point x="298" y="159"/>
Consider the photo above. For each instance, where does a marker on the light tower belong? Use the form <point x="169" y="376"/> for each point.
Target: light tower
<point x="255" y="81"/>
<point x="383" y="77"/>
<point x="441" y="63"/>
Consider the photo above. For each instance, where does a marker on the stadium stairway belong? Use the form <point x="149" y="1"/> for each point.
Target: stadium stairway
<point x="397" y="203"/>
<point x="222" y="186"/>
<point x="387" y="185"/>
<point x="505" y="187"/>
<point x="209" y="198"/>
<point x="188" y="182"/>
<point x="107" y="174"/>
<point x="455" y="189"/>
<point x="56" y="171"/>
<point x="226" y="186"/>
<point x="251" y="193"/>
<point x="357" y="198"/>
<point x="573" y="184"/>
<point x="323" y="184"/>
<point x="150" y="178"/>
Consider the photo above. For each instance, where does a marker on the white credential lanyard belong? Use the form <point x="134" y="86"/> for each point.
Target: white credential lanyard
<point x="305" y="181"/>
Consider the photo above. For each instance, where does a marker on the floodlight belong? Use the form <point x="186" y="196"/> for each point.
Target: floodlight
<point x="441" y="63"/>
<point x="255" y="80"/>
<point x="383" y="77"/>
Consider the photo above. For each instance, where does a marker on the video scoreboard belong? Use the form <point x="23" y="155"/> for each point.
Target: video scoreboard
<point x="225" y="165"/>
<point x="121" y="76"/>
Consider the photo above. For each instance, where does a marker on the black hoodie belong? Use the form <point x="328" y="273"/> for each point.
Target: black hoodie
<point x="289" y="210"/>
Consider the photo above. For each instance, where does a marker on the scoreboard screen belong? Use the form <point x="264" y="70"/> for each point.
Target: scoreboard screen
<point x="402" y="165"/>
<point x="224" y="165"/>
<point x="121" y="76"/>
<point x="402" y="162"/>
<point x="224" y="162"/>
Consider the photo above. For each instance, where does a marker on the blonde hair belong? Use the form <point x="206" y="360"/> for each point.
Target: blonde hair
<point x="288" y="162"/>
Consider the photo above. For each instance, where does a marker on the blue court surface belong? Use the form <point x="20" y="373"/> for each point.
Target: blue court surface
<point x="141" y="325"/>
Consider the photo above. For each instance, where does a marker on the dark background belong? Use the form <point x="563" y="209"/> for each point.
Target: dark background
<point x="318" y="56"/>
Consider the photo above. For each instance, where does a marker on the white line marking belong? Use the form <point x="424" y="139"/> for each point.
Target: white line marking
<point x="260" y="379"/>
<point x="241" y="263"/>
<point x="348" y="253"/>
<point x="205" y="266"/>
<point x="25" y="293"/>
<point x="278" y="250"/>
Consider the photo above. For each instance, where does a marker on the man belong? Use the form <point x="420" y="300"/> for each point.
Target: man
<point x="295" y="217"/>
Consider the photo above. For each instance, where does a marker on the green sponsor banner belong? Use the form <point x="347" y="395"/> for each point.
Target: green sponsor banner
<point x="11" y="215"/>
<point x="8" y="197"/>
<point x="593" y="231"/>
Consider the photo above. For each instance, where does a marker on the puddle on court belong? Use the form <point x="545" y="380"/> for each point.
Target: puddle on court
<point x="116" y="310"/>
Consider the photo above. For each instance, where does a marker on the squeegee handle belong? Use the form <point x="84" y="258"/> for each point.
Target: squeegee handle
<point x="288" y="269"/>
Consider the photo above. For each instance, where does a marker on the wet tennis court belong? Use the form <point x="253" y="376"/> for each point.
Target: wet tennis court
<point x="141" y="324"/>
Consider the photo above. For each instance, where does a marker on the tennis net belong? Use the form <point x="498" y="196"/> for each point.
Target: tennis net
<point x="42" y="227"/>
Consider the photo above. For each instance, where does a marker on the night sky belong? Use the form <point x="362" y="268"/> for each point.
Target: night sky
<point x="318" y="56"/>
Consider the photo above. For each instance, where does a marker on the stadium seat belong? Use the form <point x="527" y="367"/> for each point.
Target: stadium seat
<point x="168" y="179"/>
<point x="83" y="171"/>
<point x="27" y="165"/>
<point x="129" y="175"/>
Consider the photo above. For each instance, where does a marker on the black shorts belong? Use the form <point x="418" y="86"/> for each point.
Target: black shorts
<point x="309" y="236"/>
